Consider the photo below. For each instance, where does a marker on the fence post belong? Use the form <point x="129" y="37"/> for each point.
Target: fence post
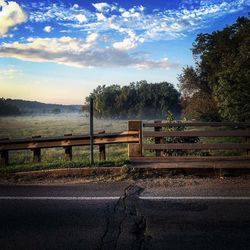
<point x="4" y="158"/>
<point x="248" y="141"/>
<point x="158" y="140"/>
<point x="102" y="149"/>
<point x="68" y="153"/>
<point x="36" y="155"/>
<point x="68" y="150"/>
<point x="135" y="149"/>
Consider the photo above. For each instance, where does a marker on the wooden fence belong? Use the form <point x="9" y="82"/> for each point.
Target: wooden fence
<point x="136" y="138"/>
<point x="67" y="141"/>
<point x="137" y="151"/>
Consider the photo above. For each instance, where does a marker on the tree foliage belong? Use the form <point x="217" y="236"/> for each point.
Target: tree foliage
<point x="219" y="86"/>
<point x="140" y="99"/>
<point x="8" y="109"/>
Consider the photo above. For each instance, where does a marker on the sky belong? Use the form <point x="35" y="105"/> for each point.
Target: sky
<point x="58" y="51"/>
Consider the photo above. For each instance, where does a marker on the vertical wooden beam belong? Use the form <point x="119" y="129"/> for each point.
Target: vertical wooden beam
<point x="68" y="153"/>
<point x="36" y="155"/>
<point x="158" y="140"/>
<point x="4" y="158"/>
<point x="102" y="149"/>
<point x="68" y="150"/>
<point x="135" y="149"/>
<point x="248" y="141"/>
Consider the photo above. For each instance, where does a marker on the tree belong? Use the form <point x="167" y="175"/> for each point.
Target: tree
<point x="7" y="109"/>
<point x="221" y="75"/>
<point x="140" y="99"/>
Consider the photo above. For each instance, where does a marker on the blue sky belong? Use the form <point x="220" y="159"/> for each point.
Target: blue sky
<point x="59" y="51"/>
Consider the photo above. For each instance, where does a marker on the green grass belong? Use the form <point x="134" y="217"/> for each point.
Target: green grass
<point x="14" y="168"/>
<point x="58" y="125"/>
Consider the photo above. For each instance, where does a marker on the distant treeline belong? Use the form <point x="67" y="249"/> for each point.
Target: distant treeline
<point x="17" y="107"/>
<point x="8" y="109"/>
<point x="140" y="99"/>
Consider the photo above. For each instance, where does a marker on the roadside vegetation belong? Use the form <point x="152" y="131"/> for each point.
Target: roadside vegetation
<point x="218" y="87"/>
<point x="14" y="168"/>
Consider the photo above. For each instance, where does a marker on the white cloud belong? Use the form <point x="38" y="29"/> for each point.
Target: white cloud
<point x="101" y="6"/>
<point x="11" y="15"/>
<point x="91" y="38"/>
<point x="155" y="25"/>
<point x="129" y="14"/>
<point x="60" y="13"/>
<point x="48" y="29"/>
<point x="125" y="44"/>
<point x="161" y="64"/>
<point x="81" y="18"/>
<point x="77" y="53"/>
<point x="100" y="17"/>
<point x="75" y="6"/>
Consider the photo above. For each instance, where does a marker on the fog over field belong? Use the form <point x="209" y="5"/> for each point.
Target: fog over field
<point x="55" y="125"/>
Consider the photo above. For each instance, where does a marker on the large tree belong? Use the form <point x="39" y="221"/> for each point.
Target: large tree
<point x="219" y="85"/>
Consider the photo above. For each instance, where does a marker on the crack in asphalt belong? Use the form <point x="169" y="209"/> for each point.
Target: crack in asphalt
<point x="126" y="220"/>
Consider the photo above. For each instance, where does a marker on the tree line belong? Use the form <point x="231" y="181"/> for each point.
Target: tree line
<point x="136" y="100"/>
<point x="8" y="109"/>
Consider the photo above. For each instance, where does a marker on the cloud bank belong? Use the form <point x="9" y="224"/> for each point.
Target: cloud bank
<point x="78" y="53"/>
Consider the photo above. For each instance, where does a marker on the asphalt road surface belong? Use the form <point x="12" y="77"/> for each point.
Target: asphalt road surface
<point x="124" y="216"/>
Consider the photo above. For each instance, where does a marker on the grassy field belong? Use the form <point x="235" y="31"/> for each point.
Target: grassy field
<point x="76" y="123"/>
<point x="58" y="125"/>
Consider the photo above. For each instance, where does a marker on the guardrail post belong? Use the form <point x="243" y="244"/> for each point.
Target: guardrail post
<point x="158" y="140"/>
<point x="4" y="158"/>
<point x="36" y="155"/>
<point x="68" y="153"/>
<point x="248" y="141"/>
<point x="68" y="150"/>
<point x="102" y="149"/>
<point x="135" y="149"/>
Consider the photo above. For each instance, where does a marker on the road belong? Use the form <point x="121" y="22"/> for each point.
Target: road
<point x="124" y="216"/>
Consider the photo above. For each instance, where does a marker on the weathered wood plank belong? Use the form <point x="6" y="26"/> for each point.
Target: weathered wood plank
<point x="64" y="141"/>
<point x="158" y="139"/>
<point x="193" y="162"/>
<point x="198" y="124"/>
<point x="135" y="149"/>
<point x="102" y="149"/>
<point x="4" y="160"/>
<point x="229" y="133"/>
<point x="172" y="159"/>
<point x="68" y="153"/>
<point x="192" y="146"/>
<point x="36" y="155"/>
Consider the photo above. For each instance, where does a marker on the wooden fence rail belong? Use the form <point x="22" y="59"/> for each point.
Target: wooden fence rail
<point x="135" y="138"/>
<point x="197" y="124"/>
<point x="67" y="142"/>
<point x="199" y="129"/>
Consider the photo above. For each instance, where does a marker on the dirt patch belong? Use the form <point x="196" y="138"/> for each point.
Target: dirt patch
<point x="149" y="178"/>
